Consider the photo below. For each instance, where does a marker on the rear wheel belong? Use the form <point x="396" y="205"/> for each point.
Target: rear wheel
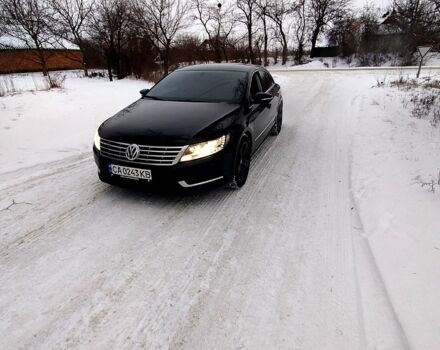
<point x="276" y="129"/>
<point x="242" y="164"/>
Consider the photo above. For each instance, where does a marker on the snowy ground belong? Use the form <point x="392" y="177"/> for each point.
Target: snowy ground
<point x="328" y="246"/>
<point x="41" y="126"/>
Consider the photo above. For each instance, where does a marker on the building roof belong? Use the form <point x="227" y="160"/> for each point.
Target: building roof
<point x="8" y="42"/>
<point x="389" y="24"/>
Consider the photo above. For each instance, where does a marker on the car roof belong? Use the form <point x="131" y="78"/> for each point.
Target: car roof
<point x="221" y="67"/>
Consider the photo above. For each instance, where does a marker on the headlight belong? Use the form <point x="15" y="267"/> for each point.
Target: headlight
<point x="204" y="149"/>
<point x="97" y="141"/>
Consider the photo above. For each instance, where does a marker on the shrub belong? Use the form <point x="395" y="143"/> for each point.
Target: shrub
<point x="424" y="97"/>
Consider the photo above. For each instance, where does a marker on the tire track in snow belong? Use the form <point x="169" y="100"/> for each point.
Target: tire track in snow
<point x="181" y="340"/>
<point x="381" y="324"/>
<point x="263" y="164"/>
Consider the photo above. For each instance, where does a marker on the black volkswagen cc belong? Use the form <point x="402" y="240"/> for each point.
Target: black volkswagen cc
<point x="198" y="125"/>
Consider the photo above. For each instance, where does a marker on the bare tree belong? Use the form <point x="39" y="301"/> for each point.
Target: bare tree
<point x="26" y="21"/>
<point x="346" y="33"/>
<point x="258" y="43"/>
<point x="323" y="12"/>
<point x="418" y="19"/>
<point x="369" y="46"/>
<point x="218" y="23"/>
<point x="300" y="28"/>
<point x="2" y="21"/>
<point x="70" y="22"/>
<point x="247" y="10"/>
<point x="162" y="20"/>
<point x="263" y="9"/>
<point x="278" y="11"/>
<point x="109" y="27"/>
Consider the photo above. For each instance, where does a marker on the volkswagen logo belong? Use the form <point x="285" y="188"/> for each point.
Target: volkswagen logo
<point x="132" y="152"/>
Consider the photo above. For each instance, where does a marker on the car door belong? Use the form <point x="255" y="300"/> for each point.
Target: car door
<point x="269" y="86"/>
<point x="259" y="116"/>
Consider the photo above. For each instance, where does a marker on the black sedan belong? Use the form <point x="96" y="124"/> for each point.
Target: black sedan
<point x="198" y="125"/>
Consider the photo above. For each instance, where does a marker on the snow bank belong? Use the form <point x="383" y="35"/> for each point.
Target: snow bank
<point x="432" y="60"/>
<point x="43" y="126"/>
<point x="400" y="218"/>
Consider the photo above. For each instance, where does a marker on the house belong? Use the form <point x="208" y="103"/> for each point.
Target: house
<point x="389" y="23"/>
<point x="18" y="55"/>
<point x="390" y="37"/>
<point x="395" y="33"/>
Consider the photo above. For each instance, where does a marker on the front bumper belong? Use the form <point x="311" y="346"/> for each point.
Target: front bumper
<point x="212" y="169"/>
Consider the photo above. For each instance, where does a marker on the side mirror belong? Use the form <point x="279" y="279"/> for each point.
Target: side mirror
<point x="263" y="97"/>
<point x="144" y="92"/>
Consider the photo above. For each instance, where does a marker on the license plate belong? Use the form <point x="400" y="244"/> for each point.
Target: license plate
<point x="128" y="172"/>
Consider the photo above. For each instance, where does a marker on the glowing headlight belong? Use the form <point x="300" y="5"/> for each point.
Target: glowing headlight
<point x="204" y="149"/>
<point x="97" y="141"/>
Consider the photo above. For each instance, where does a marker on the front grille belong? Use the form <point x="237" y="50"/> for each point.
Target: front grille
<point x="149" y="155"/>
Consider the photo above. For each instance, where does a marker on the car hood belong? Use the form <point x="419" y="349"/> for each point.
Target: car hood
<point x="170" y="123"/>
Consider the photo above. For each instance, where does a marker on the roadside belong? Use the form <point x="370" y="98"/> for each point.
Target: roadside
<point x="393" y="154"/>
<point x="329" y="245"/>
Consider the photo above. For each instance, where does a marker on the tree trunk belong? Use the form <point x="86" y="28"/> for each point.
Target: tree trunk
<point x="166" y="59"/>
<point x="109" y="65"/>
<point x="259" y="55"/>
<point x="285" y="48"/>
<point x="83" y="53"/>
<point x="42" y="58"/>
<point x="299" y="53"/>
<point x="117" y="65"/>
<point x="117" y="61"/>
<point x="251" y="57"/>
<point x="117" y="56"/>
<point x="225" y="53"/>
<point x="314" y="40"/>
<point x="217" y="50"/>
<point x="266" y="61"/>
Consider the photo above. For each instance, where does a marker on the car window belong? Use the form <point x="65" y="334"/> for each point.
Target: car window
<point x="266" y="80"/>
<point x="202" y="86"/>
<point x="255" y="85"/>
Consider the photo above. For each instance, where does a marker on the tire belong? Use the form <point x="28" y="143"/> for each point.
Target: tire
<point x="241" y="164"/>
<point x="276" y="129"/>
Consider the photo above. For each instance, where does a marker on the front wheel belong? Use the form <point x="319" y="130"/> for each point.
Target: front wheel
<point x="276" y="129"/>
<point x="242" y="164"/>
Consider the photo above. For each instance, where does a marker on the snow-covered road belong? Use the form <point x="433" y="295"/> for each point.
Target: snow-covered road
<point x="279" y="264"/>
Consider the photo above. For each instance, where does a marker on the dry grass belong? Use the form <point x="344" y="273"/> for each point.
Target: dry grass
<point x="408" y="83"/>
<point x="7" y="86"/>
<point x="431" y="184"/>
<point x="426" y="105"/>
<point x="423" y="96"/>
<point x="434" y="84"/>
<point x="404" y="83"/>
<point x="56" y="81"/>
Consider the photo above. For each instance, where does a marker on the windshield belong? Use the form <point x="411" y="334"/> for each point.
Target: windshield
<point x="201" y="86"/>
